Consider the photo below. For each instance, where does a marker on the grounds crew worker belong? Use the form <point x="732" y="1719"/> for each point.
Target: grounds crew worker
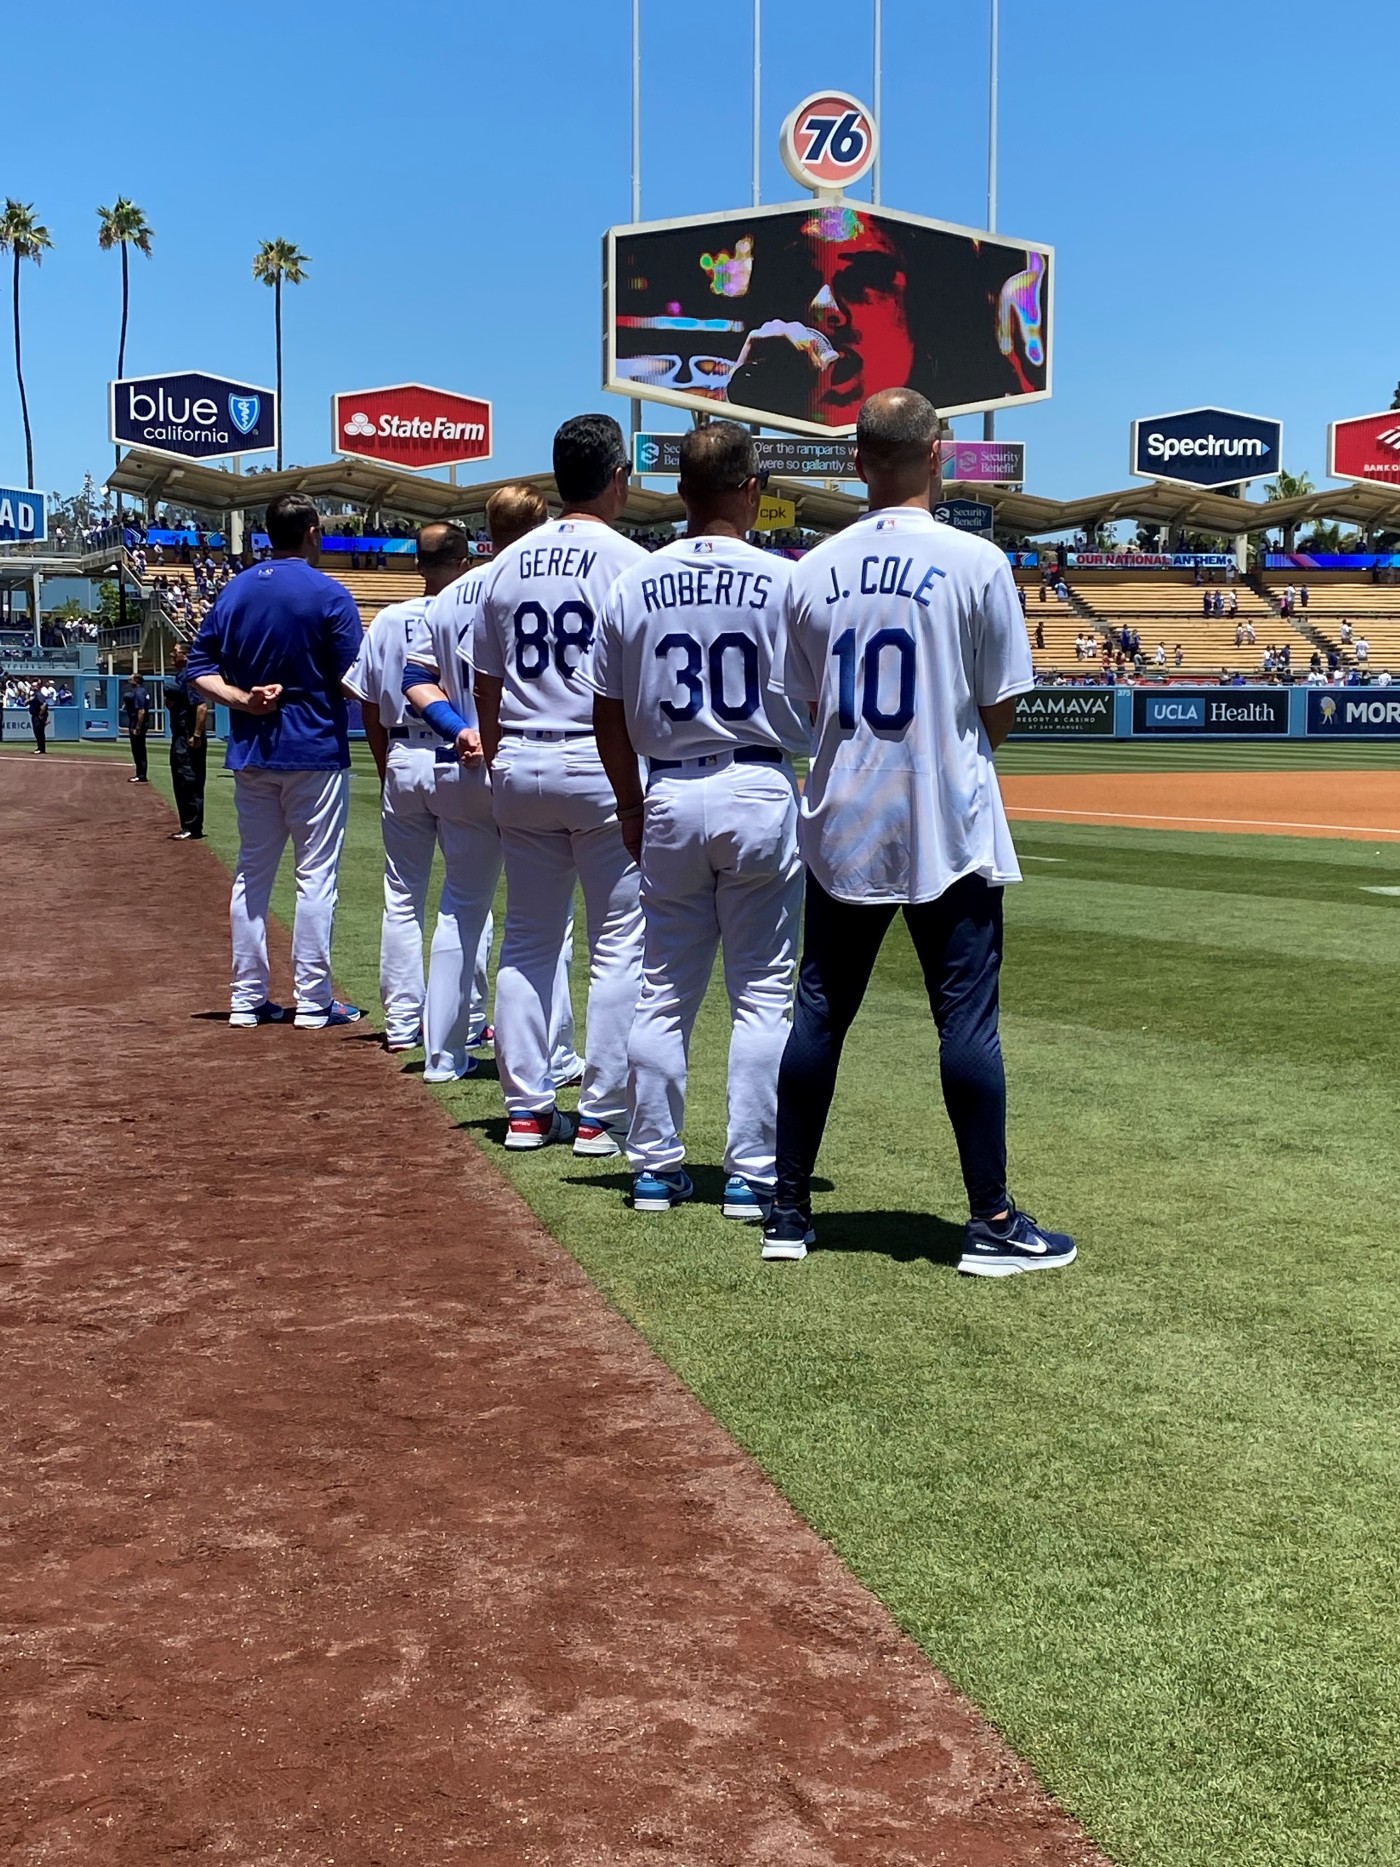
<point x="186" y="711"/>
<point x="137" y="708"/>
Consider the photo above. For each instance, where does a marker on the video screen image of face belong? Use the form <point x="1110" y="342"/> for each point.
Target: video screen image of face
<point x="806" y="313"/>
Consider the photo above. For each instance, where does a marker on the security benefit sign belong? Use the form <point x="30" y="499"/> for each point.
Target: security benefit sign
<point x="1239" y="712"/>
<point x="965" y="515"/>
<point x="191" y="416"/>
<point x="1346" y="712"/>
<point x="1206" y="447"/>
<point x="23" y="517"/>
<point x="1061" y="711"/>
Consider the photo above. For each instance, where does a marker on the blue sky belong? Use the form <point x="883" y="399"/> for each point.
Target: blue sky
<point x="1205" y="172"/>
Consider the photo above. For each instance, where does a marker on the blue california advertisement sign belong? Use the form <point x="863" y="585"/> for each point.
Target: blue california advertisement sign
<point x="192" y="416"/>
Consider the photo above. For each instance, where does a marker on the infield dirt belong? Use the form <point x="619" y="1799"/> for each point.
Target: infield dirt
<point x="344" y="1522"/>
<point x="1356" y="805"/>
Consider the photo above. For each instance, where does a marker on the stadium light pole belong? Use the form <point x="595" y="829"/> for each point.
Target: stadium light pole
<point x="636" y="153"/>
<point x="756" y="178"/>
<point x="989" y="420"/>
<point x="877" y="50"/>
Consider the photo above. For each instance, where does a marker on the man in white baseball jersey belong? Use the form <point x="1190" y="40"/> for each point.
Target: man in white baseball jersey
<point x="553" y="802"/>
<point x="680" y="663"/>
<point x="274" y="649"/>
<point x="433" y="793"/>
<point x="436" y="684"/>
<point x="906" y="638"/>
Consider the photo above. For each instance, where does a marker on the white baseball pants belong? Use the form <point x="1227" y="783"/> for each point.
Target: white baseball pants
<point x="557" y="817"/>
<point x="310" y="807"/>
<point x="428" y="804"/>
<point x="719" y="865"/>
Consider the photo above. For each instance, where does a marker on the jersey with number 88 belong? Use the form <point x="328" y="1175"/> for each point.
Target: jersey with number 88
<point x="901" y="629"/>
<point x="537" y="618"/>
<point x="687" y="641"/>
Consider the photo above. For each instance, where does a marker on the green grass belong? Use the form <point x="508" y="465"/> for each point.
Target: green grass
<point x="1143" y="1512"/>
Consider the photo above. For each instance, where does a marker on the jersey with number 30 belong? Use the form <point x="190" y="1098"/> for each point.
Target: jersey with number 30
<point x="900" y="629"/>
<point x="538" y="615"/>
<point x="686" y="641"/>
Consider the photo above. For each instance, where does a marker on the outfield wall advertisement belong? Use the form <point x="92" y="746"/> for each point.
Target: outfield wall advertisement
<point x="1079" y="711"/>
<point x="1239" y="712"/>
<point x="1345" y="712"/>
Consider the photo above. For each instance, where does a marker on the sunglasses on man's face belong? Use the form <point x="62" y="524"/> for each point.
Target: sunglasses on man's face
<point x="761" y="476"/>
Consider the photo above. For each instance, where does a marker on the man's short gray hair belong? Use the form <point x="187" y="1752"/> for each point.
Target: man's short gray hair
<point x="896" y="428"/>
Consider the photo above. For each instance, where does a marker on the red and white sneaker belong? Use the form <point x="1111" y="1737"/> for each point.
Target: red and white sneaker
<point x="595" y="1137"/>
<point x="530" y="1130"/>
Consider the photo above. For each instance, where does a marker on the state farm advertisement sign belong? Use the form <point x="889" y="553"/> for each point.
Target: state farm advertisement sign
<point x="1367" y="447"/>
<point x="409" y="425"/>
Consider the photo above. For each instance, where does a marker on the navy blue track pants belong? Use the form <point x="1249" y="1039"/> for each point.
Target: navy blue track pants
<point x="958" y="939"/>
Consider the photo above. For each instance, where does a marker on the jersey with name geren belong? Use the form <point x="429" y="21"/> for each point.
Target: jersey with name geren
<point x="537" y="618"/>
<point x="686" y="641"/>
<point x="441" y="643"/>
<point x="377" y="676"/>
<point x="901" y="628"/>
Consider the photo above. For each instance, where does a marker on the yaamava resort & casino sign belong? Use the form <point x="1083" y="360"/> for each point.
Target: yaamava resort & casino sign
<point x="410" y="425"/>
<point x="1065" y="710"/>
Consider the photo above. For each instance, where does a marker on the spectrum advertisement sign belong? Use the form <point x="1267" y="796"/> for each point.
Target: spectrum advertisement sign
<point x="1206" y="447"/>
<point x="1366" y="447"/>
<point x="1238" y="711"/>
<point x="191" y="416"/>
<point x="1081" y="711"/>
<point x="1346" y="712"/>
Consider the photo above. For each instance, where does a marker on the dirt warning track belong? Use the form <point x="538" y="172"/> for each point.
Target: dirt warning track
<point x="343" y="1521"/>
<point x="1362" y="805"/>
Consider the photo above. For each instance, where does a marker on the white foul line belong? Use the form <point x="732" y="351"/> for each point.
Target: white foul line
<point x="1238" y="823"/>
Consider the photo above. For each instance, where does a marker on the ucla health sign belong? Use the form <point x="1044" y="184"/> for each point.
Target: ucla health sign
<point x="191" y="416"/>
<point x="1345" y="712"/>
<point x="1206" y="447"/>
<point x="1241" y="712"/>
<point x="23" y="517"/>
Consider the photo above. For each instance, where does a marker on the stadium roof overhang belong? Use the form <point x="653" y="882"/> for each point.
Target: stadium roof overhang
<point x="153" y="477"/>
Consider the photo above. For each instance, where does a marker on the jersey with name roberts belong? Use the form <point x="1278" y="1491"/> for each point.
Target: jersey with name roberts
<point x="538" y="613"/>
<point x="901" y="628"/>
<point x="686" y="641"/>
<point x="440" y="649"/>
<point x="377" y="676"/>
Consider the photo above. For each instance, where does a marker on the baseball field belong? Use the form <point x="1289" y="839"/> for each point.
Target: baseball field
<point x="1143" y="1514"/>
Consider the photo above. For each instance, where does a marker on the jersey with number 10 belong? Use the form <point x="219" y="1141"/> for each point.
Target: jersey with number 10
<point x="900" y="629"/>
<point x="538" y="615"/>
<point x="686" y="641"/>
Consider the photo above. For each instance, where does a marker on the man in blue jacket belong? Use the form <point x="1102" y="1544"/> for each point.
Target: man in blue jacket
<point x="275" y="649"/>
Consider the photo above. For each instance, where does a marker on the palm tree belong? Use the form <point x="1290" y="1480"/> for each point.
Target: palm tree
<point x="1288" y="486"/>
<point x="123" y="225"/>
<point x="23" y="236"/>
<point x="274" y="261"/>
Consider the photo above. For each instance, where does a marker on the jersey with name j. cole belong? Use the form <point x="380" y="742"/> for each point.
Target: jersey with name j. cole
<point x="901" y="629"/>
<point x="441" y="647"/>
<point x="376" y="679"/>
<point x="537" y="618"/>
<point x="686" y="641"/>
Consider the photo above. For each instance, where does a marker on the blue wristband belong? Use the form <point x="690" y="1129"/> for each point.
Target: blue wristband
<point x="444" y="718"/>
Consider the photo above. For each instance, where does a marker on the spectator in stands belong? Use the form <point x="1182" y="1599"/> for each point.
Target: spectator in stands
<point x="1061" y="591"/>
<point x="1044" y="590"/>
<point x="1269" y="661"/>
<point x="1159" y="655"/>
<point x="1383" y="678"/>
<point x="1217" y="603"/>
<point x="1303" y="596"/>
<point x="1290" y="597"/>
<point x="1362" y="651"/>
<point x="1315" y="663"/>
<point x="1040" y="625"/>
<point x="1233" y="604"/>
<point x="1205" y="600"/>
<point x="1177" y="656"/>
<point x="1249" y="632"/>
<point x="1344" y="632"/>
<point x="1224" y="680"/>
<point x="1239" y="635"/>
<point x="1334" y="660"/>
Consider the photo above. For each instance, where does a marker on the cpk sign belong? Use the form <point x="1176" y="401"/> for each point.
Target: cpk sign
<point x="1366" y="447"/>
<point x="409" y="425"/>
<point x="1206" y="447"/>
<point x="191" y="416"/>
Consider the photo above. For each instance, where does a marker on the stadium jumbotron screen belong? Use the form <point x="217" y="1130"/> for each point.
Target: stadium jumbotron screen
<point x="793" y="316"/>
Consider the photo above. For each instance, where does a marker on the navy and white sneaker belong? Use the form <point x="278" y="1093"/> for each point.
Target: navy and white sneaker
<point x="337" y="1012"/>
<point x="265" y="1013"/>
<point x="788" y="1233"/>
<point x="658" y="1192"/>
<point x="1005" y="1247"/>
<point x="596" y="1139"/>
<point x="749" y="1201"/>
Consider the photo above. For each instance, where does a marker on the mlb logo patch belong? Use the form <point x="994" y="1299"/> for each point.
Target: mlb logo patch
<point x="568" y="526"/>
<point x="885" y="525"/>
<point x="704" y="544"/>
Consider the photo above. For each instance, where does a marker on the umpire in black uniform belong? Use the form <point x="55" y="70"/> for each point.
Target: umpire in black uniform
<point x="186" y="711"/>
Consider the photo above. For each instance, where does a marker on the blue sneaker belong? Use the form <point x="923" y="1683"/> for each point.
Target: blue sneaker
<point x="658" y="1192"/>
<point x="749" y="1201"/>
<point x="337" y="1012"/>
<point x="1013" y="1244"/>
<point x="265" y="1013"/>
<point x="788" y="1234"/>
